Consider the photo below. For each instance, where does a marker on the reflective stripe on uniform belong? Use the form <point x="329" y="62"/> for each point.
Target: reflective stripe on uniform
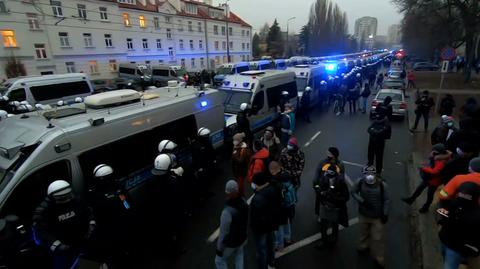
<point x="443" y="193"/>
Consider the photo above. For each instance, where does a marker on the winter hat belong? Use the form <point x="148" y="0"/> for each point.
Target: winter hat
<point x="293" y="141"/>
<point x="475" y="165"/>
<point x="333" y="152"/>
<point x="446" y="119"/>
<point x="238" y="136"/>
<point x="440" y="148"/>
<point x="369" y="170"/>
<point x="260" y="179"/>
<point x="231" y="187"/>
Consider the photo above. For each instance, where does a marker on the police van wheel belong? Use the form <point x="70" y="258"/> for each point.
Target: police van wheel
<point x="158" y="84"/>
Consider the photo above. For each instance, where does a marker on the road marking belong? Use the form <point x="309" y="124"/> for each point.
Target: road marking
<point x="311" y="139"/>
<point x="307" y="241"/>
<point x="354" y="164"/>
<point x="216" y="233"/>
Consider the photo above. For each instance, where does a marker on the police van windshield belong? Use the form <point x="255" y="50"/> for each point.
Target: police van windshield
<point x="301" y="83"/>
<point x="224" y="71"/>
<point x="233" y="100"/>
<point x="241" y="69"/>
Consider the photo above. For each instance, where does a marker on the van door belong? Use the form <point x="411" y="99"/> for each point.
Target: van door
<point x="259" y="114"/>
<point x="17" y="95"/>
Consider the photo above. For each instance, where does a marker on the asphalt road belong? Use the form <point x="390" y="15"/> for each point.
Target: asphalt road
<point x="348" y="133"/>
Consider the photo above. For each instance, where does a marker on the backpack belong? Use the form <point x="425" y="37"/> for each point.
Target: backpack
<point x="288" y="194"/>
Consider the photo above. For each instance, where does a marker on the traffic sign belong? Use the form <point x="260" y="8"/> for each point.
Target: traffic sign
<point x="448" y="54"/>
<point x="445" y="66"/>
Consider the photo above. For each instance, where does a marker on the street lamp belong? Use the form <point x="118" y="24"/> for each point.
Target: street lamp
<point x="288" y="21"/>
<point x="226" y="25"/>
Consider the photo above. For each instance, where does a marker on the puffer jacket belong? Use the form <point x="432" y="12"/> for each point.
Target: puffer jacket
<point x="258" y="163"/>
<point x="434" y="172"/>
<point x="240" y="160"/>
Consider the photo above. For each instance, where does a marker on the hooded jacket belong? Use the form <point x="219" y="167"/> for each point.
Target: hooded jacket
<point x="273" y="145"/>
<point x="265" y="209"/>
<point x="380" y="130"/>
<point x="434" y="171"/>
<point x="258" y="163"/>
<point x="240" y="160"/>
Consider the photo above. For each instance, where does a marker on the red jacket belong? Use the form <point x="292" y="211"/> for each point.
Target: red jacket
<point x="411" y="76"/>
<point x="258" y="163"/>
<point x="434" y="172"/>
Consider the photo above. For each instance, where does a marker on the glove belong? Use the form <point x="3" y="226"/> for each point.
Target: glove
<point x="219" y="253"/>
<point x="63" y="248"/>
<point x="384" y="219"/>
<point x="178" y="171"/>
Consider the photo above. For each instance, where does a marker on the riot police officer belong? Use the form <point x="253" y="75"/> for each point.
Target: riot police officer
<point x="204" y="160"/>
<point x="63" y="224"/>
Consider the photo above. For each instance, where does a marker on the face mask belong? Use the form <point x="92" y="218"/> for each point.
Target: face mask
<point x="450" y="124"/>
<point x="290" y="147"/>
<point x="236" y="143"/>
<point x="370" y="179"/>
<point x="459" y="151"/>
<point x="253" y="186"/>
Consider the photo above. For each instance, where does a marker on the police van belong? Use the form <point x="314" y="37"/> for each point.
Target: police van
<point x="120" y="128"/>
<point x="47" y="89"/>
<point x="262" y="91"/>
<point x="135" y="75"/>
<point x="261" y="65"/>
<point x="229" y="69"/>
<point x="310" y="76"/>
<point x="161" y="74"/>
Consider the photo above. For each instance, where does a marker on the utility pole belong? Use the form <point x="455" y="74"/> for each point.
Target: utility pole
<point x="226" y="25"/>
<point x="288" y="45"/>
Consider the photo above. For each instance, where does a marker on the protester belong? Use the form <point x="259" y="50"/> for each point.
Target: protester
<point x="233" y="228"/>
<point x="411" y="79"/>
<point x="264" y="212"/>
<point x="424" y="104"/>
<point x="443" y="131"/>
<point x="365" y="94"/>
<point x="373" y="205"/>
<point x="258" y="162"/>
<point x="379" y="81"/>
<point x="292" y="160"/>
<point x="331" y="202"/>
<point x="459" y="226"/>
<point x="447" y="104"/>
<point x="450" y="190"/>
<point x="285" y="183"/>
<point x="379" y="131"/>
<point x="431" y="176"/>
<point x="286" y="127"/>
<point x="469" y="108"/>
<point x="333" y="157"/>
<point x="353" y="95"/>
<point x="240" y="161"/>
<point x="385" y="109"/>
<point x="272" y="143"/>
<point x="459" y="163"/>
<point x="243" y="124"/>
<point x="467" y="133"/>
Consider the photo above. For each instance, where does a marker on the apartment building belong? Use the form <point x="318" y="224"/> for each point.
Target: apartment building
<point x="95" y="36"/>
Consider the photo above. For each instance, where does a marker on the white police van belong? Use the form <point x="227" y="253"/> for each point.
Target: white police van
<point x="229" y="69"/>
<point x="310" y="76"/>
<point x="120" y="128"/>
<point x="262" y="90"/>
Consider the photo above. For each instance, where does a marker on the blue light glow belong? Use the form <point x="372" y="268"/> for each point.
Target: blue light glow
<point x="203" y="103"/>
<point x="330" y="67"/>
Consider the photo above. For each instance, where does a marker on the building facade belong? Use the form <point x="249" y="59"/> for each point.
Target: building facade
<point x="95" y="36"/>
<point x="394" y="34"/>
<point x="365" y="29"/>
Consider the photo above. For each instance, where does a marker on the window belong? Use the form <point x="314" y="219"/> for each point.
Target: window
<point x="170" y="51"/>
<point x="200" y="44"/>
<point x="169" y="34"/>
<point x="17" y="95"/>
<point x="3" y="8"/>
<point x="225" y="60"/>
<point x="191" y="9"/>
<point x="216" y="45"/>
<point x="168" y="19"/>
<point x="193" y="62"/>
<point x="243" y="58"/>
<point x="126" y="20"/>
<point x="243" y="46"/>
<point x="248" y="46"/>
<point x="191" y="44"/>
<point x="59" y="90"/>
<point x="142" y="21"/>
<point x="70" y="67"/>
<point x="217" y="60"/>
<point x="159" y="44"/>
<point x="113" y="65"/>
<point x="258" y="102"/>
<point x="145" y="43"/>
<point x="224" y="45"/>
<point x="40" y="51"/>
<point x="103" y="13"/>
<point x="223" y="30"/>
<point x="33" y="23"/>
<point x="82" y="11"/>
<point x="230" y="31"/>
<point x="87" y="38"/>
<point x="131" y="2"/>
<point x="182" y="62"/>
<point x="248" y="33"/>
<point x="274" y="94"/>
<point x="56" y="8"/>
<point x="199" y="25"/>
<point x="180" y="26"/>
<point x="9" y="39"/>
<point x="190" y="26"/>
<point x="231" y="45"/>
<point x="129" y="44"/>
<point x="64" y="41"/>
<point x="202" y="62"/>
<point x="156" y="23"/>
<point x="215" y="29"/>
<point x="93" y="67"/>
<point x="180" y="44"/>
<point x="108" y="41"/>
<point x="243" y="32"/>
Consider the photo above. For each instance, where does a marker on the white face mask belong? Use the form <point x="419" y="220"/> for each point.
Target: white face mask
<point x="370" y="179"/>
<point x="236" y="143"/>
<point x="289" y="147"/>
<point x="459" y="151"/>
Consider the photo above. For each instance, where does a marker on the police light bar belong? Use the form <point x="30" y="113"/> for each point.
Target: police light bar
<point x="330" y="67"/>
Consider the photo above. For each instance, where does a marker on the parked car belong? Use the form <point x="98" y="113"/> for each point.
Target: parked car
<point x="425" y="66"/>
<point x="399" y="105"/>
<point x="391" y="83"/>
<point x="395" y="74"/>
<point x="102" y="85"/>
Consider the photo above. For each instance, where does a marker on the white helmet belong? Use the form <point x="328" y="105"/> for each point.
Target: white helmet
<point x="307" y="89"/>
<point x="102" y="170"/>
<point x="5" y="98"/>
<point x="162" y="164"/>
<point x="24" y="102"/>
<point x="243" y="106"/>
<point x="3" y="114"/>
<point x="203" y="132"/>
<point x="323" y="82"/>
<point x="29" y="107"/>
<point x="78" y="100"/>
<point x="59" y="188"/>
<point x="60" y="103"/>
<point x="15" y="103"/>
<point x="284" y="93"/>
<point x="358" y="75"/>
<point x="22" y="107"/>
<point x="166" y="145"/>
<point x="336" y="77"/>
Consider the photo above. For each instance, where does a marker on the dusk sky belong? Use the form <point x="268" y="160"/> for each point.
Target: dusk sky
<point x="257" y="12"/>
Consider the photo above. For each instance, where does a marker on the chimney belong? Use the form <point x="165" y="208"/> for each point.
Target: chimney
<point x="226" y="9"/>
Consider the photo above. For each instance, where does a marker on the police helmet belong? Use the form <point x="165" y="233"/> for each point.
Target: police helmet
<point x="78" y="99"/>
<point x="336" y="77"/>
<point x="243" y="106"/>
<point x="60" y="103"/>
<point x="3" y="114"/>
<point x="166" y="145"/>
<point x="29" y="107"/>
<point x="24" y="103"/>
<point x="359" y="75"/>
<point x="370" y="179"/>
<point x="15" y="103"/>
<point x="5" y="98"/>
<point x="330" y="78"/>
<point x="284" y="93"/>
<point x="203" y="132"/>
<point x="60" y="191"/>
<point x="163" y="163"/>
<point x="307" y="89"/>
<point x="102" y="170"/>
<point x="323" y="82"/>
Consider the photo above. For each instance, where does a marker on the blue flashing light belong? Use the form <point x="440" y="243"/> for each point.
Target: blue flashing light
<point x="330" y="67"/>
<point x="203" y="103"/>
<point x="245" y="84"/>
